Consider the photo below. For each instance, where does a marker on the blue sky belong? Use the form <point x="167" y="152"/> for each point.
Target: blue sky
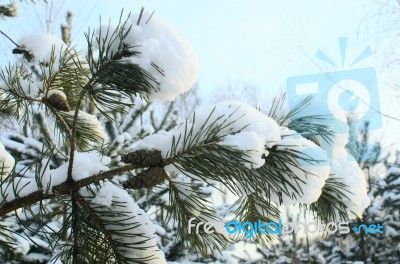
<point x="258" y="42"/>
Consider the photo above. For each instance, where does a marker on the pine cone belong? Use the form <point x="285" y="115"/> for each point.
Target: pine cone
<point x="146" y="179"/>
<point x="143" y="158"/>
<point x="59" y="102"/>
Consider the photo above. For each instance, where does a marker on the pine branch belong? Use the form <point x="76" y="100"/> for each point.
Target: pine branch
<point x="7" y="240"/>
<point x="17" y="81"/>
<point x="331" y="206"/>
<point x="116" y="78"/>
<point x="98" y="222"/>
<point x="116" y="231"/>
<point x="62" y="189"/>
<point x="187" y="201"/>
<point x="307" y="126"/>
<point x="252" y="208"/>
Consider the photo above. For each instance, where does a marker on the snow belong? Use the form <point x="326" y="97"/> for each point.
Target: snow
<point x="58" y="92"/>
<point x="103" y="39"/>
<point x="343" y="165"/>
<point x="7" y="162"/>
<point x="39" y="242"/>
<point x="41" y="45"/>
<point x="91" y="122"/>
<point x="160" y="44"/>
<point x="160" y="230"/>
<point x="15" y="146"/>
<point x="161" y="141"/>
<point x="94" y="124"/>
<point x="36" y="258"/>
<point x="30" y="88"/>
<point x="142" y="236"/>
<point x="31" y="142"/>
<point x="252" y="143"/>
<point x="395" y="171"/>
<point x="389" y="231"/>
<point x="311" y="174"/>
<point x="242" y="127"/>
<point x="86" y="164"/>
<point x="351" y="174"/>
<point x="252" y="132"/>
<point x="282" y="260"/>
<point x="22" y="84"/>
<point x="105" y="195"/>
<point x="23" y="246"/>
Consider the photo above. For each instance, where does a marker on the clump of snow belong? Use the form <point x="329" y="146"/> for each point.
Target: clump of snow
<point x="90" y="122"/>
<point x="56" y="91"/>
<point x="352" y="175"/>
<point x="162" y="45"/>
<point x="86" y="164"/>
<point x="252" y="143"/>
<point x="242" y="127"/>
<point x="104" y="35"/>
<point x="141" y="236"/>
<point x="343" y="165"/>
<point x="40" y="46"/>
<point x="161" y="141"/>
<point x="94" y="124"/>
<point x="312" y="170"/>
<point x="156" y="43"/>
<point x="7" y="162"/>
<point x="22" y="246"/>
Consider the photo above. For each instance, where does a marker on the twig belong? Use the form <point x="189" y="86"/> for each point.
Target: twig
<point x="73" y="135"/>
<point x="9" y="38"/>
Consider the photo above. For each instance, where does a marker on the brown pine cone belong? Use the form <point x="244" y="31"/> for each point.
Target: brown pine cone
<point x="59" y="102"/>
<point x="146" y="179"/>
<point x="143" y="158"/>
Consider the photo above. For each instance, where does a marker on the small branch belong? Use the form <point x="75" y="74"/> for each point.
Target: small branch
<point x="62" y="189"/>
<point x="73" y="135"/>
<point x="24" y="97"/>
<point x="4" y="34"/>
